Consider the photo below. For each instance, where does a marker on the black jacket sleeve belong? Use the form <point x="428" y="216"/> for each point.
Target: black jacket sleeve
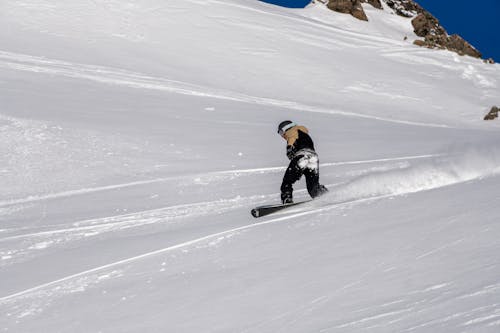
<point x="290" y="152"/>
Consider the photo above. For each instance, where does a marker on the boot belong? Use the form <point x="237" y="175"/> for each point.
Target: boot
<point x="319" y="191"/>
<point x="286" y="198"/>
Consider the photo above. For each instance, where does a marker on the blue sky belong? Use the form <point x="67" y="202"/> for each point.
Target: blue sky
<point x="478" y="24"/>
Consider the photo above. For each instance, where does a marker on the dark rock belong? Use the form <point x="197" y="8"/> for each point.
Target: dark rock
<point x="358" y="11"/>
<point x="352" y="7"/>
<point x="375" y="3"/>
<point x="435" y="35"/>
<point x="453" y="43"/>
<point x="459" y="45"/>
<point x="425" y="24"/>
<point x="492" y="114"/>
<point x="419" y="42"/>
<point x="405" y="8"/>
<point x="420" y="25"/>
<point x="341" y="6"/>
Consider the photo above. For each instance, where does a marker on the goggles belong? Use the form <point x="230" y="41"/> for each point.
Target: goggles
<point x="285" y="128"/>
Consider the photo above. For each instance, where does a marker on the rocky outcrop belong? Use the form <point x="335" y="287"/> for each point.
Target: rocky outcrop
<point x="375" y="3"/>
<point x="405" y="8"/>
<point x="424" y="23"/>
<point x="427" y="26"/>
<point x="435" y="36"/>
<point x="492" y="114"/>
<point x="352" y="7"/>
<point x="453" y="43"/>
<point x="461" y="46"/>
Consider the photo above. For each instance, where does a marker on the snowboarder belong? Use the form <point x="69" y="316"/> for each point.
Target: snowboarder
<point x="303" y="161"/>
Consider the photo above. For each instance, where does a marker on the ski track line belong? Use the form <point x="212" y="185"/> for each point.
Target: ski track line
<point x="83" y="191"/>
<point x="136" y="80"/>
<point x="188" y="243"/>
<point x="147" y="217"/>
<point x="112" y="223"/>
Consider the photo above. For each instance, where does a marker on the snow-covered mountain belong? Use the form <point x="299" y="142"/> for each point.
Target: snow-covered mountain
<point x="137" y="135"/>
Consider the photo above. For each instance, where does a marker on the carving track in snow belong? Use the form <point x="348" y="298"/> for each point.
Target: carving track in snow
<point x="182" y="245"/>
<point x="424" y="176"/>
<point x="24" y="243"/>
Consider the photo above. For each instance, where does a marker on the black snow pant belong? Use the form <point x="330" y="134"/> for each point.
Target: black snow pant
<point x="304" y="163"/>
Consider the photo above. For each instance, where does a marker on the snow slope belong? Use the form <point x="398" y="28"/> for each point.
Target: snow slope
<point x="137" y="135"/>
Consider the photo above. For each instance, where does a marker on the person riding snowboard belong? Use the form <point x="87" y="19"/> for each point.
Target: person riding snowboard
<point x="303" y="161"/>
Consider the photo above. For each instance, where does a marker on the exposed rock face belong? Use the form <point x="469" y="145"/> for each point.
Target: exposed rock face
<point x="405" y="8"/>
<point x="352" y="7"/>
<point x="342" y="6"/>
<point x="492" y="114"/>
<point x="374" y="3"/>
<point x="461" y="46"/>
<point x="424" y="23"/>
<point x="427" y="26"/>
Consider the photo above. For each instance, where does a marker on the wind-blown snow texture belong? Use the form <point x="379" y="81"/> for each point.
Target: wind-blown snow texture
<point x="135" y="137"/>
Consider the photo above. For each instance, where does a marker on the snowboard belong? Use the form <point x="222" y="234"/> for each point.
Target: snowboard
<point x="269" y="209"/>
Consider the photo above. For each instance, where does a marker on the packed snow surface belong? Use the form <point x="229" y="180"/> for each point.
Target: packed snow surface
<point x="136" y="136"/>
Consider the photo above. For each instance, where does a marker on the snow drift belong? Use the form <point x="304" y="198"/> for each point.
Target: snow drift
<point x="455" y="166"/>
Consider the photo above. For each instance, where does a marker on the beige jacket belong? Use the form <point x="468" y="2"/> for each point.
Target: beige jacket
<point x="293" y="134"/>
